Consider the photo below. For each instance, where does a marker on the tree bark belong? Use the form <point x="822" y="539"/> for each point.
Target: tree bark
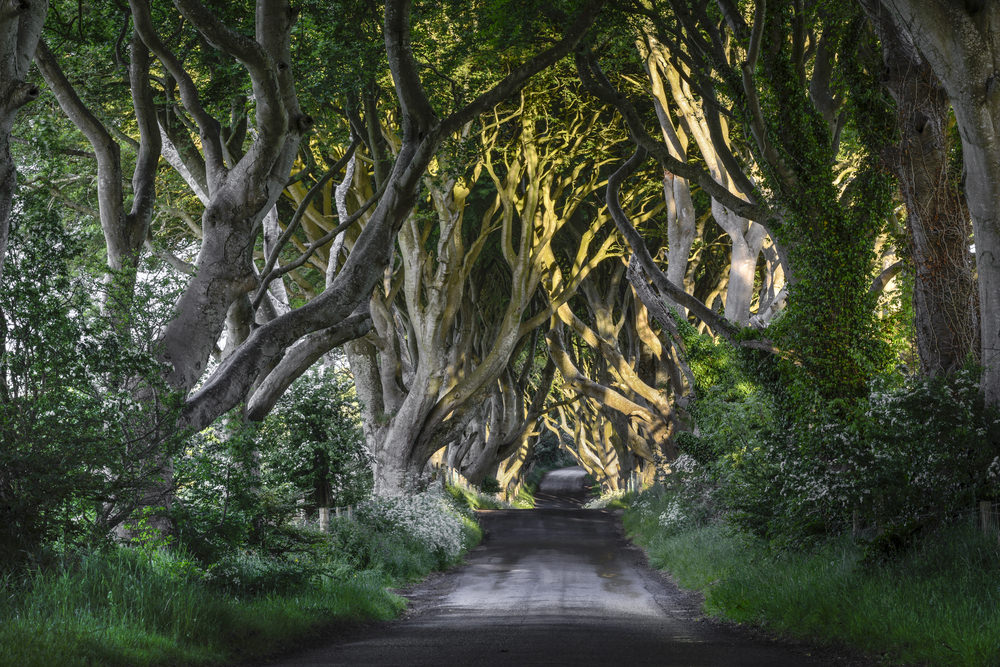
<point x="20" y="28"/>
<point x="945" y="299"/>
<point x="961" y="41"/>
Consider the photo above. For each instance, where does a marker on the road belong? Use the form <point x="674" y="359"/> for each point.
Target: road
<point x="553" y="586"/>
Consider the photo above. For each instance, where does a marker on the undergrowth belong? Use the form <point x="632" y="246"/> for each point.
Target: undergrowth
<point x="937" y="603"/>
<point x="128" y="606"/>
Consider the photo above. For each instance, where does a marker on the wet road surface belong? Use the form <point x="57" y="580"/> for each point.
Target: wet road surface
<point x="565" y="488"/>
<point x="552" y="586"/>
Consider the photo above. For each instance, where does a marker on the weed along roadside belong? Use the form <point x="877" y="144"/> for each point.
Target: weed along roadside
<point x="936" y="602"/>
<point x="123" y="606"/>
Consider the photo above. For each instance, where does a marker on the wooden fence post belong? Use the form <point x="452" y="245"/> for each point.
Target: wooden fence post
<point x="324" y="519"/>
<point x="985" y="516"/>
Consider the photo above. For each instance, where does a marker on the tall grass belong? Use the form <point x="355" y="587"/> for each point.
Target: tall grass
<point x="473" y="499"/>
<point x="936" y="604"/>
<point x="121" y="606"/>
<point x="124" y="608"/>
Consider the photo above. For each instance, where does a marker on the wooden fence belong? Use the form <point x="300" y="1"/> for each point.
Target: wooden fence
<point x="324" y="514"/>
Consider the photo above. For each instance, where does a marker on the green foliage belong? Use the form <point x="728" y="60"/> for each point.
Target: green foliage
<point x="490" y="485"/>
<point x="240" y="484"/>
<point x="83" y="416"/>
<point x="829" y="326"/>
<point x="120" y="607"/>
<point x="936" y="604"/>
<point x="125" y="606"/>
<point x="795" y="467"/>
<point x="220" y="505"/>
<point x="732" y="410"/>
<point x="906" y="460"/>
<point x="468" y="497"/>
<point x="612" y="500"/>
<point x="339" y="54"/>
<point x="312" y="439"/>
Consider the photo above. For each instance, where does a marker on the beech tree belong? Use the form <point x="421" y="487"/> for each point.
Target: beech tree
<point x="20" y="28"/>
<point x="593" y="441"/>
<point x="945" y="302"/>
<point x="633" y="378"/>
<point x="962" y="46"/>
<point x="240" y="183"/>
<point x="758" y="72"/>
<point x="435" y="351"/>
<point x="501" y="426"/>
<point x="704" y="126"/>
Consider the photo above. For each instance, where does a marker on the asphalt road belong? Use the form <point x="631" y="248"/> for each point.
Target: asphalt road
<point x="553" y="586"/>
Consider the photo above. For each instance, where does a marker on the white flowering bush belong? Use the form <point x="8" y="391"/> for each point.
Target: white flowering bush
<point x="784" y="463"/>
<point x="605" y="500"/>
<point x="905" y="459"/>
<point x="673" y="516"/>
<point x="428" y="518"/>
<point x="681" y="500"/>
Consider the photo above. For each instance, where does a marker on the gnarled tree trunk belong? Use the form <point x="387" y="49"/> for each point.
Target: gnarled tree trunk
<point x="20" y="28"/>
<point x="945" y="299"/>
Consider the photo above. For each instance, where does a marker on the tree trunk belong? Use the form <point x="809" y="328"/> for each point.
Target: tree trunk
<point x="962" y="44"/>
<point x="944" y="292"/>
<point x="20" y="28"/>
<point x="8" y="180"/>
<point x="742" y="270"/>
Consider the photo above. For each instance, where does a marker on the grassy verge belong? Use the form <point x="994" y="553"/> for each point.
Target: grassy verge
<point x="612" y="500"/>
<point x="473" y="499"/>
<point x="525" y="497"/>
<point x="115" y="609"/>
<point x="122" y="606"/>
<point x="937" y="604"/>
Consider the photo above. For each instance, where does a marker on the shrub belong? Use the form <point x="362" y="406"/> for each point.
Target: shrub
<point x="254" y="573"/>
<point x="793" y="468"/>
<point x="240" y="483"/>
<point x="313" y="440"/>
<point x="490" y="485"/>
<point x="428" y="518"/>
<point x="84" y="417"/>
<point x="900" y="461"/>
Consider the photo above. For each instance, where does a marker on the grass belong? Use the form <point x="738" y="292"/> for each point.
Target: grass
<point x="473" y="499"/>
<point x="937" y="604"/>
<point x="524" y="499"/>
<point x="612" y="500"/>
<point x="120" y="606"/>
